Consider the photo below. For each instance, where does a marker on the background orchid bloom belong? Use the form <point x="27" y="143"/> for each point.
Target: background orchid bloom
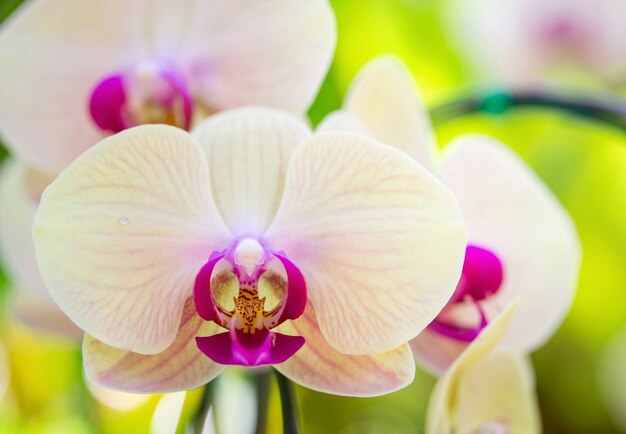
<point x="81" y="70"/>
<point x="523" y="41"/>
<point x="20" y="190"/>
<point x="521" y="241"/>
<point x="486" y="391"/>
<point x="248" y="238"/>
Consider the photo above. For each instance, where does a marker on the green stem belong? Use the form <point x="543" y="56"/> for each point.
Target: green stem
<point x="203" y="409"/>
<point x="262" y="381"/>
<point x="609" y="109"/>
<point x="288" y="403"/>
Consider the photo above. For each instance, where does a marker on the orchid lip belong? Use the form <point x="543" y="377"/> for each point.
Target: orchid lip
<point x="249" y="340"/>
<point x="150" y="93"/>
<point x="481" y="278"/>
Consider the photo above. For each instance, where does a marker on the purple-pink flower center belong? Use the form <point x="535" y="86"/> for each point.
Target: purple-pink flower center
<point x="481" y="278"/>
<point x="149" y="94"/>
<point x="249" y="340"/>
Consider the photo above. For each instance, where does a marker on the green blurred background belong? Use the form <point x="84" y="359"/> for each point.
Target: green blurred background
<point x="584" y="163"/>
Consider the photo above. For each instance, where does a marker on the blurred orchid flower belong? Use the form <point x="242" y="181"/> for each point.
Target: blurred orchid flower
<point x="249" y="236"/>
<point x="486" y="390"/>
<point x="20" y="190"/>
<point x="81" y="70"/>
<point x="521" y="241"/>
<point x="525" y="41"/>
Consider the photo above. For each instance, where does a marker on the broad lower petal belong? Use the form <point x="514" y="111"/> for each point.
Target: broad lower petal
<point x="512" y="213"/>
<point x="271" y="52"/>
<point x="248" y="151"/>
<point x="180" y="367"/>
<point x="379" y="240"/>
<point x="121" y="234"/>
<point x="52" y="54"/>
<point x="383" y="98"/>
<point x="319" y="366"/>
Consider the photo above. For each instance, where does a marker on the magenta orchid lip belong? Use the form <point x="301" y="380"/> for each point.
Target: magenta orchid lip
<point x="249" y="340"/>
<point x="149" y="94"/>
<point x="481" y="278"/>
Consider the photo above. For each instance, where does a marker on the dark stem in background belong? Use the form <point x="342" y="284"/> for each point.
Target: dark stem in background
<point x="608" y="109"/>
<point x="288" y="404"/>
<point x="262" y="382"/>
<point x="203" y="409"/>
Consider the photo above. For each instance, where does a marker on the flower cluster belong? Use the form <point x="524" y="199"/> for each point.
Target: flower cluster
<point x="187" y="218"/>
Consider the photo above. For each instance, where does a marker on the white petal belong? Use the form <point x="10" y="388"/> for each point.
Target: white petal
<point x="121" y="234"/>
<point x="509" y="211"/>
<point x="52" y="54"/>
<point x="319" y="366"/>
<point x="181" y="366"/>
<point x="383" y="98"/>
<point x="248" y="151"/>
<point x="378" y="239"/>
<point x="268" y="52"/>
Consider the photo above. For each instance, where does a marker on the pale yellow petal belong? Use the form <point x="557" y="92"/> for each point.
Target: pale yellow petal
<point x="320" y="367"/>
<point x="248" y="151"/>
<point x="121" y="234"/>
<point x="182" y="366"/>
<point x="379" y="240"/>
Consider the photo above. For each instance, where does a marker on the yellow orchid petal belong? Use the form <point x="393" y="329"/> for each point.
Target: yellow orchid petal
<point x="440" y="415"/>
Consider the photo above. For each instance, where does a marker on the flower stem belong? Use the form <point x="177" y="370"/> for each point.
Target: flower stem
<point x="262" y="381"/>
<point x="609" y="109"/>
<point x="203" y="409"/>
<point x="288" y="404"/>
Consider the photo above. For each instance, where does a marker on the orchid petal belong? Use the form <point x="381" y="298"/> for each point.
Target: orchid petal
<point x="383" y="98"/>
<point x="379" y="240"/>
<point x="497" y="390"/>
<point x="319" y="366"/>
<point x="270" y="52"/>
<point x="52" y="55"/>
<point x="248" y="152"/>
<point x="180" y="367"/>
<point x="440" y="419"/>
<point x="509" y="211"/>
<point x="435" y="352"/>
<point x="121" y="234"/>
<point x="343" y="120"/>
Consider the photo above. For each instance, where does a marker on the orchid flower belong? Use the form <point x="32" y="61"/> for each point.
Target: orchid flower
<point x="249" y="242"/>
<point x="524" y="41"/>
<point x="81" y="70"/>
<point x="487" y="390"/>
<point x="521" y="241"/>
